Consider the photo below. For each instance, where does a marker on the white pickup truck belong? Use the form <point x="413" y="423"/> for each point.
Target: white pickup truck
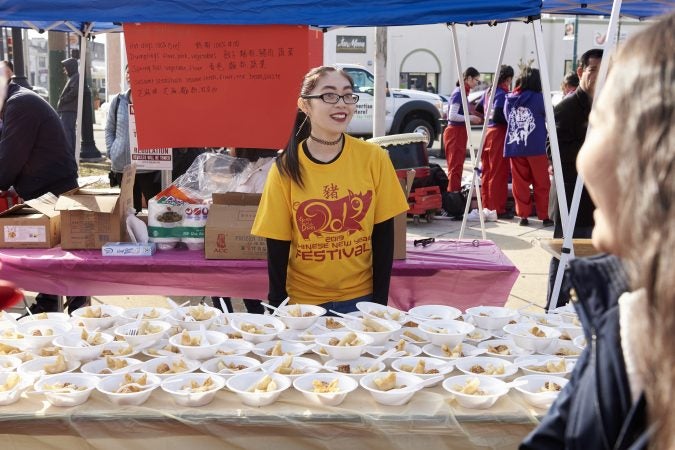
<point x="408" y="111"/>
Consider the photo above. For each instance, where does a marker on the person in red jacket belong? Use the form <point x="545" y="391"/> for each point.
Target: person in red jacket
<point x="454" y="136"/>
<point x="495" y="174"/>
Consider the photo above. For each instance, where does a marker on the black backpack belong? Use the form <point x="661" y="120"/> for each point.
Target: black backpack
<point x="455" y="202"/>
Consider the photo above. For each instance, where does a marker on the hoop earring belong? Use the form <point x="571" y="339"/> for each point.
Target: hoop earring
<point x="301" y="125"/>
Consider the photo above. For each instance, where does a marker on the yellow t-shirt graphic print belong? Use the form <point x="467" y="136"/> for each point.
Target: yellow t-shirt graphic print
<point x="330" y="220"/>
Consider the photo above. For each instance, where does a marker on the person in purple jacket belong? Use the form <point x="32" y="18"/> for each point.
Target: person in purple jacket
<point x="525" y="146"/>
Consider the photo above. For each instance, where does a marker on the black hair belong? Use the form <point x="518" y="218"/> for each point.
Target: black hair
<point x="529" y="80"/>
<point x="470" y="72"/>
<point x="9" y="64"/>
<point x="592" y="53"/>
<point x="288" y="162"/>
<point x="571" y="79"/>
<point x="505" y="72"/>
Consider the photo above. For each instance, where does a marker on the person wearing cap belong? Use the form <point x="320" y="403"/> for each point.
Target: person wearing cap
<point x="67" y="105"/>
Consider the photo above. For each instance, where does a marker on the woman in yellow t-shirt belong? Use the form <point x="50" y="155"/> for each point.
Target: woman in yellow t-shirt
<point x="328" y="205"/>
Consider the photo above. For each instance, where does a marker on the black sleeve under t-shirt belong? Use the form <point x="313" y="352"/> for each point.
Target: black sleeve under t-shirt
<point x="383" y="256"/>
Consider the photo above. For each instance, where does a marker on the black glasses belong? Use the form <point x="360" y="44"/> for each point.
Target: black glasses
<point x="333" y="98"/>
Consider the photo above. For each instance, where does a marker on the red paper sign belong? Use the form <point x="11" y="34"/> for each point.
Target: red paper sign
<point x="217" y="85"/>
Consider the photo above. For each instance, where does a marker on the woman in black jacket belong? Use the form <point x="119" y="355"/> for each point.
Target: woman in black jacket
<point x="621" y="392"/>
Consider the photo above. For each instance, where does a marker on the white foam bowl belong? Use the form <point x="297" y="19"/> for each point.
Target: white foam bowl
<point x="142" y="340"/>
<point x="363" y="362"/>
<point x="242" y="382"/>
<point x="53" y="326"/>
<point x="234" y="347"/>
<point x="35" y="367"/>
<point x="393" y="397"/>
<point x="526" y="362"/>
<point x="301" y="322"/>
<point x="513" y="350"/>
<point x="306" y="337"/>
<point x="443" y="367"/>
<point x="323" y="320"/>
<point x="150" y="366"/>
<point x="579" y="342"/>
<point x="13" y="395"/>
<point x="409" y="349"/>
<point x="520" y="333"/>
<point x="268" y="325"/>
<point x="437" y="352"/>
<point x="9" y="317"/>
<point x="176" y="387"/>
<point x="177" y="316"/>
<point x="343" y="352"/>
<point x="287" y="348"/>
<point x="493" y="387"/>
<point x="532" y="393"/>
<point x="64" y="317"/>
<point x="73" y="398"/>
<point x="379" y="337"/>
<point x="567" y="330"/>
<point x="82" y="351"/>
<point x="118" y="350"/>
<point x="90" y="323"/>
<point x="304" y="384"/>
<point x="420" y="339"/>
<point x="96" y="367"/>
<point x="211" y="366"/>
<point x="548" y="320"/>
<point x="465" y="365"/>
<point x="491" y="317"/>
<point x="434" y="312"/>
<point x="379" y="311"/>
<point x="478" y="335"/>
<point x="149" y="313"/>
<point x="446" y="332"/>
<point x="9" y="363"/>
<point x="160" y="347"/>
<point x="303" y="365"/>
<point x="203" y="351"/>
<point x="563" y="349"/>
<point x="567" y="312"/>
<point x="109" y="385"/>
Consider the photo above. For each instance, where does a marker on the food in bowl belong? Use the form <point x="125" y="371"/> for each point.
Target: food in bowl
<point x="8" y="350"/>
<point x="454" y="352"/>
<point x="199" y="313"/>
<point x="10" y="383"/>
<point x="118" y="350"/>
<point x="489" y="369"/>
<point x="296" y="311"/>
<point x="326" y="387"/>
<point x="415" y="337"/>
<point x="57" y="367"/>
<point x="333" y="324"/>
<point x="371" y="326"/>
<point x="419" y="368"/>
<point x="387" y="382"/>
<point x="349" y="340"/>
<point x="195" y="386"/>
<point x="113" y="364"/>
<point x="277" y="350"/>
<point x="551" y="366"/>
<point x="499" y="349"/>
<point x="550" y="386"/>
<point x="286" y="367"/>
<point x="266" y="384"/>
<point x="470" y="387"/>
<point x="537" y="332"/>
<point x="356" y="369"/>
<point x="129" y="382"/>
<point x="93" y="312"/>
<point x="63" y="387"/>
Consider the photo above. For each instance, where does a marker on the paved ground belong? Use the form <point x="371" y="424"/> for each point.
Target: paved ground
<point x="517" y="242"/>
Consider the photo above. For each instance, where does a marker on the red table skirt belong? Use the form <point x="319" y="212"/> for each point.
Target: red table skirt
<point x="456" y="273"/>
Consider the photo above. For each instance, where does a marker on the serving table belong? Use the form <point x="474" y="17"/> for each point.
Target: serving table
<point x="457" y="273"/>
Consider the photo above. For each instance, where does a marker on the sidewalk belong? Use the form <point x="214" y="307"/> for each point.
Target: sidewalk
<point x="514" y="240"/>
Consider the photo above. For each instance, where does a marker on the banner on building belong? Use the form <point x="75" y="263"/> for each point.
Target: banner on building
<point x="350" y="44"/>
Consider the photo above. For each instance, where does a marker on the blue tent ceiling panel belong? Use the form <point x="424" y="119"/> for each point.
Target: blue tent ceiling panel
<point x="638" y="9"/>
<point x="296" y="12"/>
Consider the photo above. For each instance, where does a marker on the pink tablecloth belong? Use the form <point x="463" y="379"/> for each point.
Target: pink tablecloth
<point x="446" y="272"/>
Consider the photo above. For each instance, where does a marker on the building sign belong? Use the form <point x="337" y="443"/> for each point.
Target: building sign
<point x="350" y="44"/>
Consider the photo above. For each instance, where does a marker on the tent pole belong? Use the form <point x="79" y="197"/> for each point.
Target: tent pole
<point x="80" y="95"/>
<point x="579" y="185"/>
<point x="488" y="110"/>
<point x="380" y="99"/>
<point x="467" y="124"/>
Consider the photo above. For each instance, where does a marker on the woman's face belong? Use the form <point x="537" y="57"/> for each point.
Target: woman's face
<point x="472" y="82"/>
<point x="329" y="119"/>
<point x="597" y="163"/>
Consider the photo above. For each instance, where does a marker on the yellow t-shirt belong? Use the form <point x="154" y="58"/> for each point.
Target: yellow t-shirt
<point x="330" y="220"/>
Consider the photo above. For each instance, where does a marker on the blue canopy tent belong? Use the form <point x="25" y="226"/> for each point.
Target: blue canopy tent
<point x="636" y="9"/>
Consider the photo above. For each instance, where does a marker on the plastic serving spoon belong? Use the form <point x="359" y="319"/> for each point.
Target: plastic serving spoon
<point x="344" y="316"/>
<point x="518" y="383"/>
<point x="391" y="353"/>
<point x="422" y="384"/>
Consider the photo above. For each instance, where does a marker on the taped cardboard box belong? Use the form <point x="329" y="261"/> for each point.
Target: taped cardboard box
<point x="228" y="228"/>
<point x="92" y="217"/>
<point x="34" y="224"/>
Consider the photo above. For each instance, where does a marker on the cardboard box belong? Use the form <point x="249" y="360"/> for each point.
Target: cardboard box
<point x="92" y="217"/>
<point x="228" y="228"/>
<point x="406" y="178"/>
<point x="34" y="224"/>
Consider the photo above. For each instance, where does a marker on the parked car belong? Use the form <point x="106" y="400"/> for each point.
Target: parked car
<point x="42" y="92"/>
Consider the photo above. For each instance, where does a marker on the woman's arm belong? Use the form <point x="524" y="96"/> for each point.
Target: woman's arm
<point x="383" y="257"/>
<point x="277" y="269"/>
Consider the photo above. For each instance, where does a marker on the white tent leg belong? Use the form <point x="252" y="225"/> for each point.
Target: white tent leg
<point x="567" y="251"/>
<point x="467" y="124"/>
<point x="380" y="99"/>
